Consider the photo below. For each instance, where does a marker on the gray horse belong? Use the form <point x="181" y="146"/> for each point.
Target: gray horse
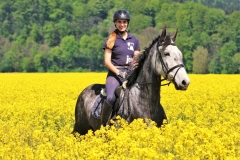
<point x="141" y="98"/>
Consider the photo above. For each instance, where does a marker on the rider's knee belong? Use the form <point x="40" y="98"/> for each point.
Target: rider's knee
<point x="111" y="99"/>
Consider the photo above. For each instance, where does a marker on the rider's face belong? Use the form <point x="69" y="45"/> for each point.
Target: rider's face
<point x="121" y="24"/>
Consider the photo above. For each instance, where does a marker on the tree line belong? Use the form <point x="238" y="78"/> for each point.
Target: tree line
<point x="67" y="36"/>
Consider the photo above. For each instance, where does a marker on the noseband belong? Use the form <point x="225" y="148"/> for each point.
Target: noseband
<point x="164" y="67"/>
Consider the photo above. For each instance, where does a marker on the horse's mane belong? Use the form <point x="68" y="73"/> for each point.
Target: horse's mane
<point x="140" y="60"/>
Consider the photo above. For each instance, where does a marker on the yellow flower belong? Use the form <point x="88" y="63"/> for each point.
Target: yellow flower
<point x="37" y="117"/>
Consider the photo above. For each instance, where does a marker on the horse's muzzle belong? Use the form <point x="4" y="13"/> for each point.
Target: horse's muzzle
<point x="183" y="85"/>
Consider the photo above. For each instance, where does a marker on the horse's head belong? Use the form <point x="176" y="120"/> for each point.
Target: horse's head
<point x="171" y="61"/>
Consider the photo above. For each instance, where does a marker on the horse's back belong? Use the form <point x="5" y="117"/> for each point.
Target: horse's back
<point x="94" y="89"/>
<point x="84" y="106"/>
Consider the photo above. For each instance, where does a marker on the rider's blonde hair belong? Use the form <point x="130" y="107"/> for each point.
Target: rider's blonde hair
<point x="111" y="39"/>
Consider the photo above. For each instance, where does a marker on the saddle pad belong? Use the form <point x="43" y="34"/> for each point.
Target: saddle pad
<point x="97" y="107"/>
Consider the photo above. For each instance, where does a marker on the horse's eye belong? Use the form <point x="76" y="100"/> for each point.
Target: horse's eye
<point x="167" y="54"/>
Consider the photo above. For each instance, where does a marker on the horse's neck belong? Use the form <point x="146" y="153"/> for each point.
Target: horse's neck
<point x="148" y="88"/>
<point x="147" y="73"/>
<point x="148" y="78"/>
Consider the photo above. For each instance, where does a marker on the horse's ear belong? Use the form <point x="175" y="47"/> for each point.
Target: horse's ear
<point x="163" y="35"/>
<point x="173" y="37"/>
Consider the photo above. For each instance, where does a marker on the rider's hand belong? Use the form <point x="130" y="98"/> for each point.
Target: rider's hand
<point x="135" y="60"/>
<point x="122" y="74"/>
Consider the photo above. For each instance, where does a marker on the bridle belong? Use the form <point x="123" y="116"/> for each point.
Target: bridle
<point x="164" y="67"/>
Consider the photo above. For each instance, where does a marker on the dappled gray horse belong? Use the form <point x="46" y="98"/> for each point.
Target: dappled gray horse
<point x="141" y="98"/>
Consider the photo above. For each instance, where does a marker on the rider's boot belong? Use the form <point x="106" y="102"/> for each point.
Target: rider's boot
<point x="106" y="113"/>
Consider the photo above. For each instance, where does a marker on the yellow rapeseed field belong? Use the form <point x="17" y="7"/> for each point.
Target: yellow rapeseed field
<point x="37" y="117"/>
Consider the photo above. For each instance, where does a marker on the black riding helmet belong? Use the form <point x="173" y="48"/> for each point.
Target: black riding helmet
<point x="121" y="14"/>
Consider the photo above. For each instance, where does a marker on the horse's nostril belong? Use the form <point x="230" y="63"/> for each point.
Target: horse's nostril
<point x="184" y="82"/>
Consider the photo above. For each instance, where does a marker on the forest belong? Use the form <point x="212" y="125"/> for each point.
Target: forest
<point x="67" y="36"/>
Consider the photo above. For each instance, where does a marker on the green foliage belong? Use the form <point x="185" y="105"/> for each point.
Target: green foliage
<point x="214" y="65"/>
<point x="200" y="60"/>
<point x="227" y="5"/>
<point x="227" y="51"/>
<point x="59" y="35"/>
<point x="27" y="65"/>
<point x="63" y="28"/>
<point x="213" y="18"/>
<point x="184" y="18"/>
<point x="49" y="33"/>
<point x="140" y="22"/>
<point x="234" y="20"/>
<point x="56" y="59"/>
<point x="69" y="47"/>
<point x="91" y="50"/>
<point x="186" y="44"/>
<point x="167" y="15"/>
<point x="236" y="63"/>
<point x="146" y="36"/>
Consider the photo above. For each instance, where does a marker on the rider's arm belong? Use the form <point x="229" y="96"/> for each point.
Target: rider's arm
<point x="136" y="53"/>
<point x="135" y="57"/>
<point x="107" y="61"/>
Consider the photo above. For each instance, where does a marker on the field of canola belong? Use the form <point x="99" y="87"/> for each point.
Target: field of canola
<point x="37" y="117"/>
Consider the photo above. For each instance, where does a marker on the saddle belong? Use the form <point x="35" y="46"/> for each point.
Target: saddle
<point x="120" y="106"/>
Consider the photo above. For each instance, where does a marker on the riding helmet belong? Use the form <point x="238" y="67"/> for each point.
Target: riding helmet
<point x="121" y="14"/>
